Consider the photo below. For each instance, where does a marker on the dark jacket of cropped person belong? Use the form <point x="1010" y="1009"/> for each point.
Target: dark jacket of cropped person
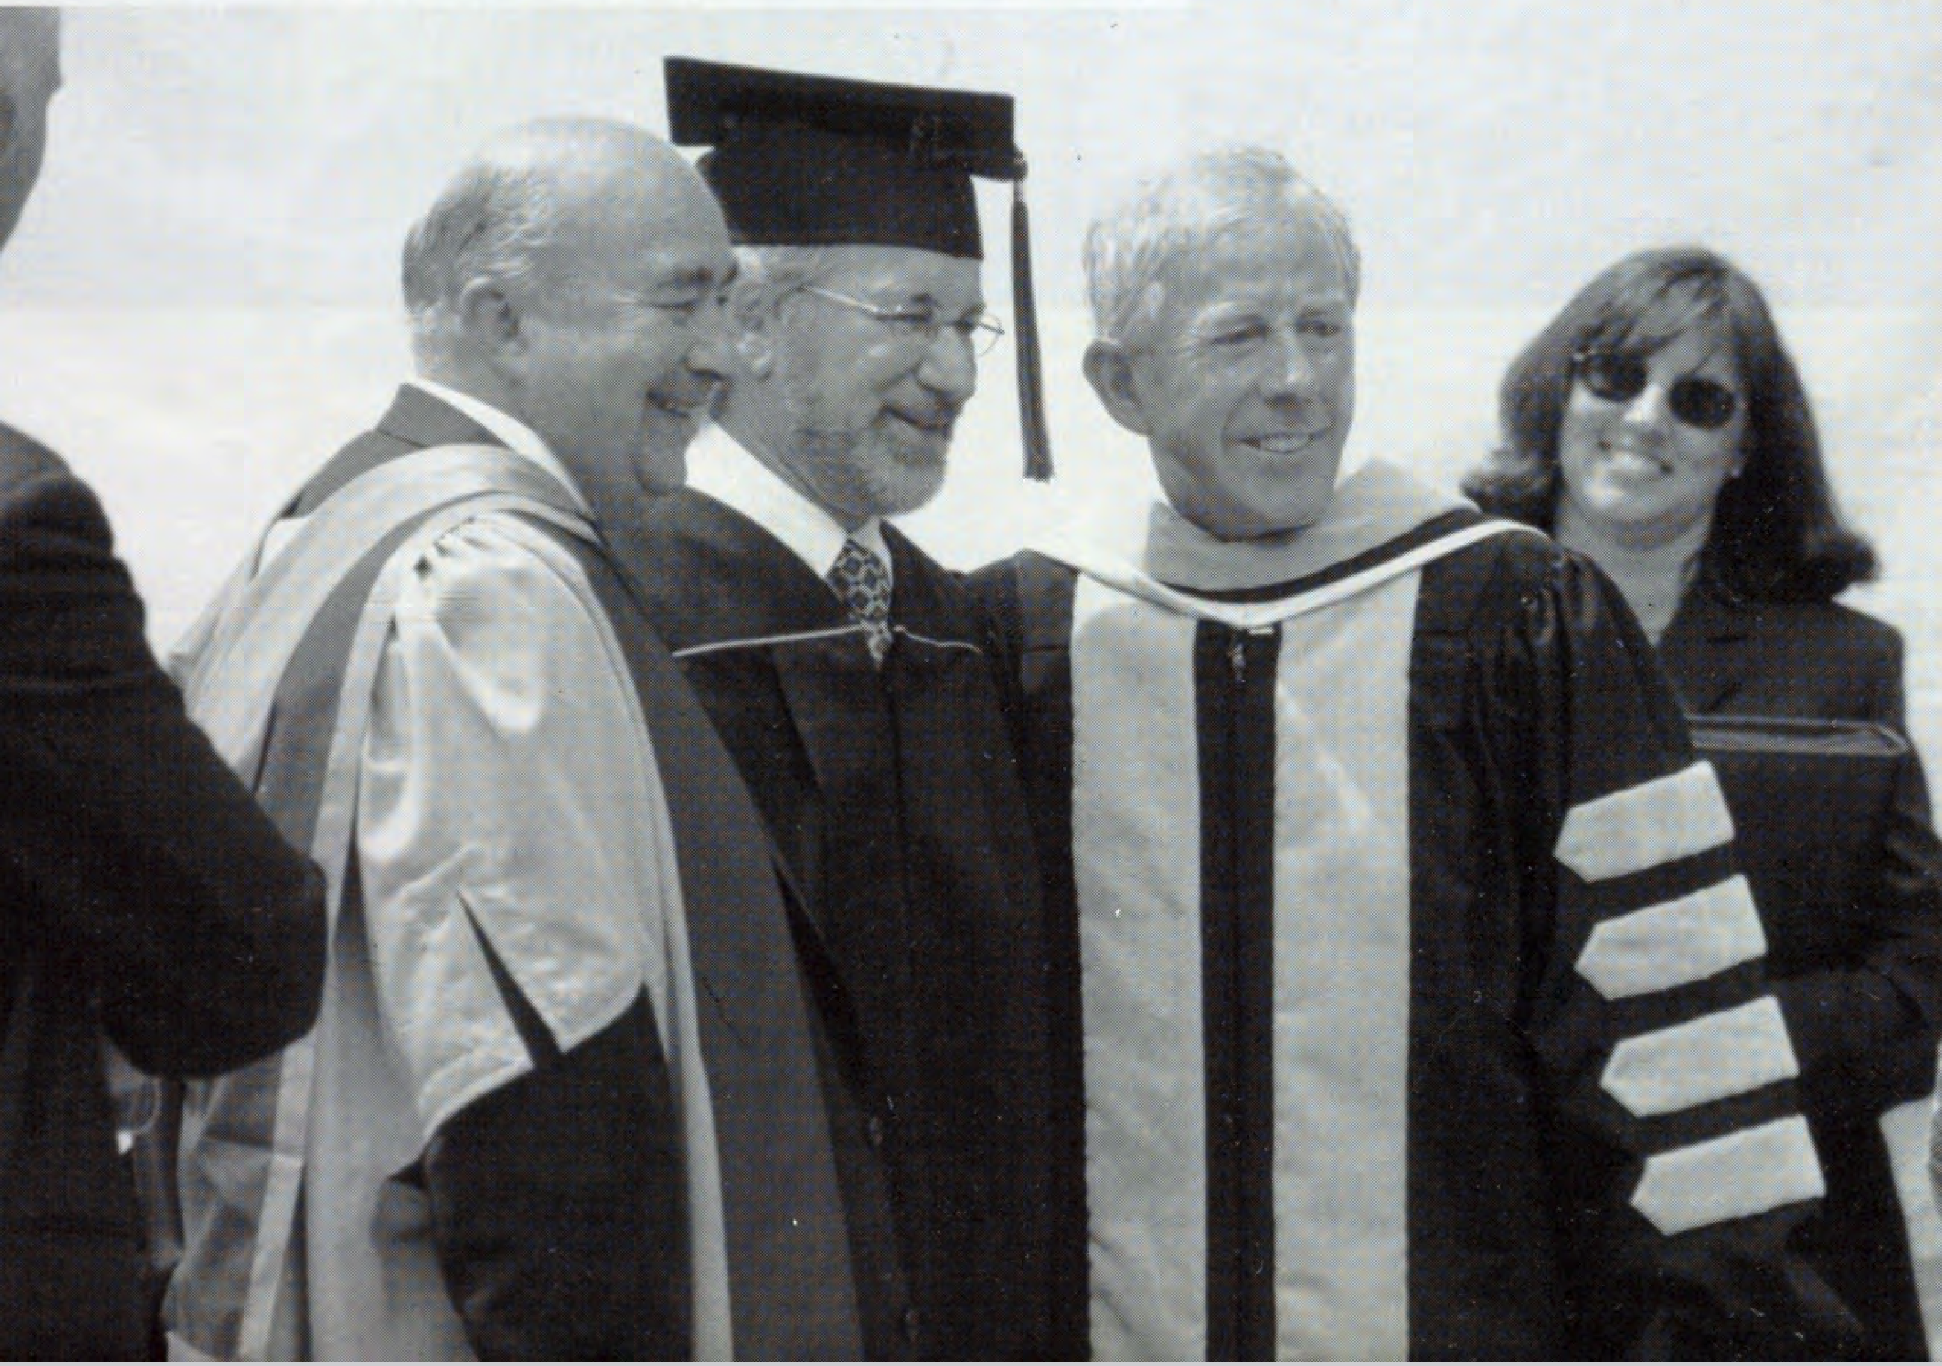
<point x="1733" y="567"/>
<point x="1860" y="985"/>
<point x="143" y="900"/>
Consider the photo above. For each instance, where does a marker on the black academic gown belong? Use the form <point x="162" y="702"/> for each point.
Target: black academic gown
<point x="895" y="798"/>
<point x="1861" y="983"/>
<point x="1530" y="694"/>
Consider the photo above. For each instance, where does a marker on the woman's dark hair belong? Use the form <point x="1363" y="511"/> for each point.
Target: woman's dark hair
<point x="1777" y="534"/>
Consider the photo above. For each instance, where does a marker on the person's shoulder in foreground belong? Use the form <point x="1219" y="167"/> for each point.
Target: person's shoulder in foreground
<point x="143" y="896"/>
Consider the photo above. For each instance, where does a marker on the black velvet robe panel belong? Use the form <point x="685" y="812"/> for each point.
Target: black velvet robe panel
<point x="1531" y="692"/>
<point x="896" y="801"/>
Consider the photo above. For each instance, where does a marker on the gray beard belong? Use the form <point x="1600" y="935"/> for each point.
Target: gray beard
<point x="871" y="472"/>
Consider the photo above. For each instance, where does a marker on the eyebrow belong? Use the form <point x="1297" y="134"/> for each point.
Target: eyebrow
<point x="923" y="298"/>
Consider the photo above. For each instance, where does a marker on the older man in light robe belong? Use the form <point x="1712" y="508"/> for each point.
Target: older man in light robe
<point x="563" y="1100"/>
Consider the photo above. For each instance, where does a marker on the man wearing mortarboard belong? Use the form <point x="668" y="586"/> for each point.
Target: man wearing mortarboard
<point x="849" y="674"/>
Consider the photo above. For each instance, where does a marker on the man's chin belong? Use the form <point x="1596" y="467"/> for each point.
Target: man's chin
<point x="903" y="489"/>
<point x="910" y="469"/>
<point x="918" y="453"/>
<point x="663" y="468"/>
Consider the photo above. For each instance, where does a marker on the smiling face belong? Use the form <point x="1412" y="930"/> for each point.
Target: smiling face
<point x="867" y="407"/>
<point x="1244" y="385"/>
<point x="619" y="362"/>
<point x="1635" y="473"/>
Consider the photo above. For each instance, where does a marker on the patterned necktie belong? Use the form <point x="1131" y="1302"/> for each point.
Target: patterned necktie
<point x="863" y="585"/>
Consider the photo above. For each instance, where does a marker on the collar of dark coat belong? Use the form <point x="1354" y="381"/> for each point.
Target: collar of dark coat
<point x="716" y="575"/>
<point x="1709" y="646"/>
<point x="422" y="419"/>
<point x="417" y="420"/>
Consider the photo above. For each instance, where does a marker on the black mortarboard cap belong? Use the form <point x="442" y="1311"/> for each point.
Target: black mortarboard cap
<point x="803" y="160"/>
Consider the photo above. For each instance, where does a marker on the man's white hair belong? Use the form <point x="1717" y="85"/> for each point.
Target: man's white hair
<point x="1178" y="212"/>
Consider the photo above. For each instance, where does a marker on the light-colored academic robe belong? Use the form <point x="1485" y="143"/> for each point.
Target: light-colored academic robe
<point x="490" y="766"/>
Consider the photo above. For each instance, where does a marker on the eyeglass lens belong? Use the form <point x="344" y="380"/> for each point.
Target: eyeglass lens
<point x="1695" y="400"/>
<point x="983" y="332"/>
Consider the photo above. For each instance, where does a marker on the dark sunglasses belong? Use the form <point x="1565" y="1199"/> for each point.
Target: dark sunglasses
<point x="1620" y="377"/>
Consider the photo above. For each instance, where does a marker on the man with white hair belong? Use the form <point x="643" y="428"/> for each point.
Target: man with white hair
<point x="564" y="1101"/>
<point x="1423" y="1014"/>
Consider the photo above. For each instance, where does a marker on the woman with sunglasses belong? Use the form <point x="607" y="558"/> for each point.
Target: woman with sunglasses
<point x="1658" y="427"/>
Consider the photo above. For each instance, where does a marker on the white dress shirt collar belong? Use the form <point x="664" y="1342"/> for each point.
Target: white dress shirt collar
<point x="725" y="470"/>
<point x="515" y="435"/>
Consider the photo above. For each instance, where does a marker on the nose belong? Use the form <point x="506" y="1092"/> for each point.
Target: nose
<point x="708" y="356"/>
<point x="1648" y="408"/>
<point x="950" y="365"/>
<point x="1288" y="371"/>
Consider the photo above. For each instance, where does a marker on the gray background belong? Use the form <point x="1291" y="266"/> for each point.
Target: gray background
<point x="202" y="300"/>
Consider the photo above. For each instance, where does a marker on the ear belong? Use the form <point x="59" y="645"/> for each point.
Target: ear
<point x="1110" y="371"/>
<point x="489" y="321"/>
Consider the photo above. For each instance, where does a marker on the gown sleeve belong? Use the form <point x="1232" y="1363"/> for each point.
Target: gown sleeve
<point x="512" y="940"/>
<point x="1680" y="1160"/>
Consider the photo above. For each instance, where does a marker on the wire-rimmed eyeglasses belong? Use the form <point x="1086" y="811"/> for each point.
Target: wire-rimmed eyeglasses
<point x="920" y="322"/>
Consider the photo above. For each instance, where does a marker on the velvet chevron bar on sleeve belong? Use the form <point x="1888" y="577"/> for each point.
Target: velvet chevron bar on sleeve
<point x="1723" y="1053"/>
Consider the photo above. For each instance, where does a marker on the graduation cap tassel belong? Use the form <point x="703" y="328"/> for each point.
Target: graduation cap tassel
<point x="1031" y="383"/>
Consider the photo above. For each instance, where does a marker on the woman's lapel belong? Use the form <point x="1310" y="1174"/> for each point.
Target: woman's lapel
<point x="1709" y="648"/>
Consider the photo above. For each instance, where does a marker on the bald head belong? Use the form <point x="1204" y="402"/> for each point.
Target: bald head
<point x="571" y="275"/>
<point x="547" y="209"/>
<point x="30" y="73"/>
